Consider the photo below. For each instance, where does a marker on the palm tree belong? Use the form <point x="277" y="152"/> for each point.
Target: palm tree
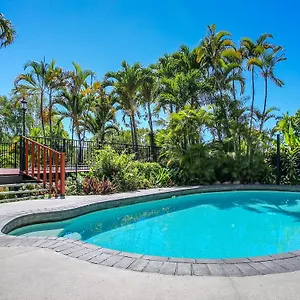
<point x="55" y="80"/>
<point x="185" y="59"/>
<point x="34" y="84"/>
<point x="101" y="123"/>
<point x="7" y="32"/>
<point x="166" y="69"/>
<point x="73" y="99"/>
<point x="252" y="51"/>
<point x="215" y="49"/>
<point x="182" y="89"/>
<point x="147" y="90"/>
<point x="269" y="61"/>
<point x="126" y="83"/>
<point x="43" y="79"/>
<point x="69" y="107"/>
<point x="262" y="117"/>
<point x="218" y="55"/>
<point x="101" y="118"/>
<point x="225" y="77"/>
<point x="286" y="125"/>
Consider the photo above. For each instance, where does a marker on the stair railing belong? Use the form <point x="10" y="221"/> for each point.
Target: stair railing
<point x="43" y="164"/>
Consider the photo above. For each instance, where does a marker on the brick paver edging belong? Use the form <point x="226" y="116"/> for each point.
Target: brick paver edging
<point x="279" y="263"/>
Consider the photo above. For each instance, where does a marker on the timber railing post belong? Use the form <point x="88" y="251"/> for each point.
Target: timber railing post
<point x="52" y="162"/>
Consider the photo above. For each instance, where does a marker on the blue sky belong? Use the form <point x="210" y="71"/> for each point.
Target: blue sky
<point x="100" y="34"/>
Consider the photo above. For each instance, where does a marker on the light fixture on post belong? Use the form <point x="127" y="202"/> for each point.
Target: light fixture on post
<point x="24" y="108"/>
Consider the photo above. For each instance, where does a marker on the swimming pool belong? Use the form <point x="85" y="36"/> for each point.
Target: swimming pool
<point x="210" y="225"/>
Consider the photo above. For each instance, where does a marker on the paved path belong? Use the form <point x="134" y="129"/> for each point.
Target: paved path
<point x="37" y="274"/>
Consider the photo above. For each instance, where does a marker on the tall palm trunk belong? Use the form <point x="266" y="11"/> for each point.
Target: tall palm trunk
<point x="73" y="127"/>
<point x="194" y="102"/>
<point x="134" y="130"/>
<point x="249" y="150"/>
<point x="80" y="156"/>
<point x="72" y="140"/>
<point x="131" y="131"/>
<point x="134" y="133"/>
<point x="42" y="114"/>
<point x="265" y="105"/>
<point x="50" y="114"/>
<point x="152" y="140"/>
<point x="233" y="90"/>
<point x="253" y="95"/>
<point x="224" y="111"/>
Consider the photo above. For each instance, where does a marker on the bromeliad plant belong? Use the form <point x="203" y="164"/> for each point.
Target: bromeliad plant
<point x="94" y="186"/>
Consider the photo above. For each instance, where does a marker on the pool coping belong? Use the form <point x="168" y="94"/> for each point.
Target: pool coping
<point x="250" y="266"/>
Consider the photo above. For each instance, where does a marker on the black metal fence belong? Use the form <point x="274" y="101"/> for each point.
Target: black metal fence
<point x="79" y="154"/>
<point x="9" y="154"/>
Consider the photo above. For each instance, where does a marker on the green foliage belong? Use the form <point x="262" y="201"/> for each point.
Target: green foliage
<point x="124" y="137"/>
<point x="290" y="166"/>
<point x="155" y="174"/>
<point x="193" y="101"/>
<point x="11" y="118"/>
<point x="289" y="127"/>
<point x="125" y="173"/>
<point x="193" y="166"/>
<point x="7" y="32"/>
<point x="74" y="185"/>
<point x="94" y="186"/>
<point x="203" y="164"/>
<point x="87" y="185"/>
<point x="57" y="132"/>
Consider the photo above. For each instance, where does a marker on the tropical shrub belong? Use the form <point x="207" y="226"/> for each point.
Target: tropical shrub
<point x="74" y="185"/>
<point x="86" y="185"/>
<point x="94" y="186"/>
<point x="208" y="164"/>
<point x="127" y="174"/>
<point x="289" y="165"/>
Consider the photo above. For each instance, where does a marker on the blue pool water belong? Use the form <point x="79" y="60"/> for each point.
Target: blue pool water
<point x="211" y="225"/>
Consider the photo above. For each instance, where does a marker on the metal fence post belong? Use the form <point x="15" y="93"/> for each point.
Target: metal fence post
<point x="278" y="160"/>
<point x="64" y="145"/>
<point x="22" y="154"/>
<point x="15" y="155"/>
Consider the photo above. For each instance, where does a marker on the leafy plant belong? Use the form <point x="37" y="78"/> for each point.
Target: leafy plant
<point x="74" y="185"/>
<point x="93" y="186"/>
<point x="126" y="173"/>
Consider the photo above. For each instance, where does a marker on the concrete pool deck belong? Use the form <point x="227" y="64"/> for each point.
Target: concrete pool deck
<point x="39" y="273"/>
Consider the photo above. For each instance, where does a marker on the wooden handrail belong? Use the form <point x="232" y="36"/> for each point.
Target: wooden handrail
<point x="44" y="162"/>
<point x="41" y="145"/>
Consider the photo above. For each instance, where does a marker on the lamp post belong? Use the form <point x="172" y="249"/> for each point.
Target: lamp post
<point x="24" y="108"/>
